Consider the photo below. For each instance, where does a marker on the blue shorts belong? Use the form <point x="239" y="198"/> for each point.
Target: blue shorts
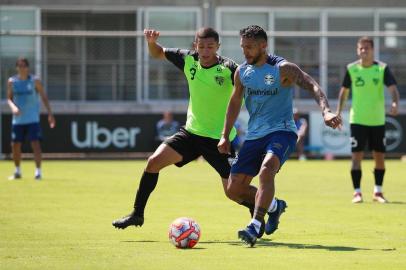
<point x="252" y="153"/>
<point x="20" y="132"/>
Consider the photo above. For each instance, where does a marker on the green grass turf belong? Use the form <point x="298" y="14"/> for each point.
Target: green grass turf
<point x="64" y="221"/>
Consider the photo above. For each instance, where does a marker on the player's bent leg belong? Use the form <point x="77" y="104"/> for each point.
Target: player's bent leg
<point x="266" y="192"/>
<point x="163" y="156"/>
<point x="238" y="189"/>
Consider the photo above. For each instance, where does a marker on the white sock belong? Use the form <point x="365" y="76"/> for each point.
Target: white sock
<point x="273" y="206"/>
<point x="357" y="190"/>
<point x="257" y="224"/>
<point x="37" y="171"/>
<point x="18" y="170"/>
<point x="378" y="189"/>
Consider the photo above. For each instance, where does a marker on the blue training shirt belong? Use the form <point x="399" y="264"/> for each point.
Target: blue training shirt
<point x="26" y="98"/>
<point x="269" y="105"/>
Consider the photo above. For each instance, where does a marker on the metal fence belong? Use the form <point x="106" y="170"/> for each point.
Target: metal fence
<point x="115" y="66"/>
<point x="97" y="66"/>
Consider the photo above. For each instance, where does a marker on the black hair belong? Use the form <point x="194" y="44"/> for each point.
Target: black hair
<point x="255" y="32"/>
<point x="207" y="32"/>
<point x="24" y="60"/>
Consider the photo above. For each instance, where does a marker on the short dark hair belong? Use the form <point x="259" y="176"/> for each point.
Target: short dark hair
<point x="255" y="32"/>
<point x="366" y="39"/>
<point x="207" y="32"/>
<point x="24" y="60"/>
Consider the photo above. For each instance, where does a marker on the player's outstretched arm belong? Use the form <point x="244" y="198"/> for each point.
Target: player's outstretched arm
<point x="44" y="98"/>
<point x="290" y="74"/>
<point x="155" y="50"/>
<point x="393" y="90"/>
<point x="233" y="110"/>
<point x="13" y="107"/>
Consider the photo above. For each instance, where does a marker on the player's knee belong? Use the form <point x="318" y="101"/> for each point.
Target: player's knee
<point x="268" y="170"/>
<point x="16" y="145"/>
<point x="233" y="191"/>
<point x="36" y="146"/>
<point x="153" y="164"/>
<point x="356" y="165"/>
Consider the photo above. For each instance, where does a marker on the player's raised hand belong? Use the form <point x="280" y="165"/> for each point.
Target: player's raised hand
<point x="151" y="35"/>
<point x="333" y="120"/>
<point x="224" y="145"/>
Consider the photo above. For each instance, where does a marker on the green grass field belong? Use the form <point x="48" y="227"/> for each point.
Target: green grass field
<point x="64" y="221"/>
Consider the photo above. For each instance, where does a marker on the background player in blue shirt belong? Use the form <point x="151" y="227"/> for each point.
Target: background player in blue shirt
<point x="166" y="127"/>
<point x="24" y="91"/>
<point x="265" y="82"/>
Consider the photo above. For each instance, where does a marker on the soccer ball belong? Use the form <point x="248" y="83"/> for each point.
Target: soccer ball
<point x="184" y="232"/>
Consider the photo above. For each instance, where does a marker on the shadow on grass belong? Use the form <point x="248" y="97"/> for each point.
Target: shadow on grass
<point x="390" y="202"/>
<point x="267" y="242"/>
<point x="153" y="241"/>
<point x="396" y="202"/>
<point x="235" y="242"/>
<point x="139" y="241"/>
<point x="270" y="243"/>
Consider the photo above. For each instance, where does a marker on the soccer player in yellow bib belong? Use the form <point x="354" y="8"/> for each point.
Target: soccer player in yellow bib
<point x="366" y="78"/>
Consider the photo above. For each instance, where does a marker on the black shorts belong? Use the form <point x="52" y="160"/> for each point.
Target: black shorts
<point x="374" y="135"/>
<point x="191" y="146"/>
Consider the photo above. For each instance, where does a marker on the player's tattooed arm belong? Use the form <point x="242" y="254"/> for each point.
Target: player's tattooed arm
<point x="290" y="74"/>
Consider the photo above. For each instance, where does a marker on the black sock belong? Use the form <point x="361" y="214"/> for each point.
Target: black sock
<point x="259" y="213"/>
<point x="147" y="185"/>
<point x="250" y="206"/>
<point x="379" y="176"/>
<point x="356" y="178"/>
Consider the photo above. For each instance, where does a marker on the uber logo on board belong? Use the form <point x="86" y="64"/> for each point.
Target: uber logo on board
<point x="101" y="137"/>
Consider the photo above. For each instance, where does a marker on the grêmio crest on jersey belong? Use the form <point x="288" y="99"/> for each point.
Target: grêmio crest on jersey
<point x="269" y="79"/>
